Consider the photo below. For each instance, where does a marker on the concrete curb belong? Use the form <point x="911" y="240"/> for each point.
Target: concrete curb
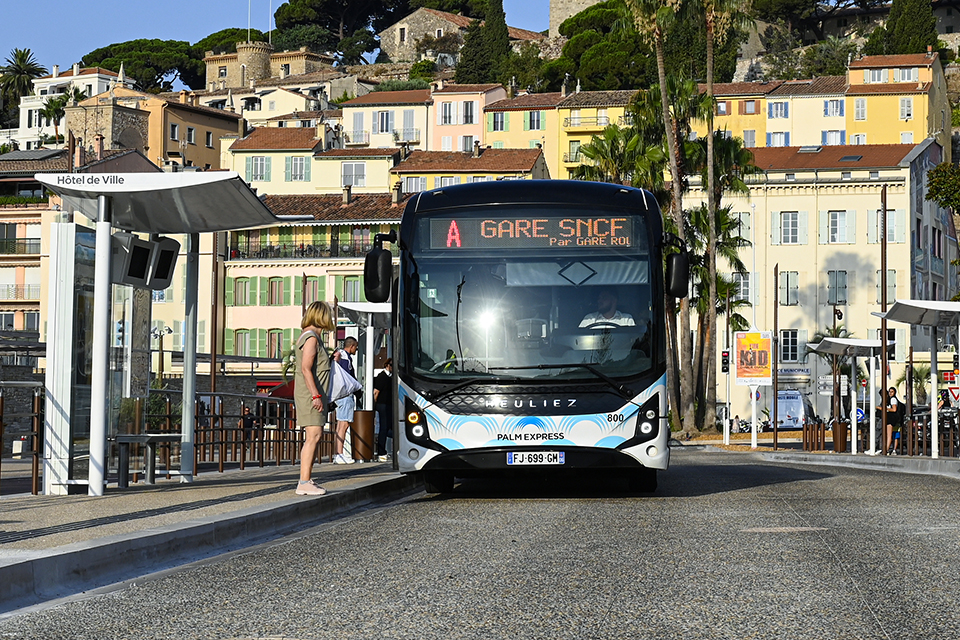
<point x="949" y="467"/>
<point x="87" y="565"/>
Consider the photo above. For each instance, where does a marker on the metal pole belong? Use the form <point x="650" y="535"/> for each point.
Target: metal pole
<point x="214" y="304"/>
<point x="776" y="349"/>
<point x="934" y="397"/>
<point x="100" y="367"/>
<point x="753" y="417"/>
<point x="729" y="421"/>
<point x="188" y="417"/>
<point x="852" y="388"/>
<point x="873" y="405"/>
<point x="883" y="319"/>
<point x="368" y="362"/>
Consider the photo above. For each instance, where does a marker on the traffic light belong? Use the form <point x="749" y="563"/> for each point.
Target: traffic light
<point x="956" y="362"/>
<point x="725" y="361"/>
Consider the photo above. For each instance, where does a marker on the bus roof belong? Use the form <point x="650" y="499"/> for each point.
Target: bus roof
<point x="546" y="192"/>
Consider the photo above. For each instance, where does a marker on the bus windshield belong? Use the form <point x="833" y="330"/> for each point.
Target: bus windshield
<point x="525" y="316"/>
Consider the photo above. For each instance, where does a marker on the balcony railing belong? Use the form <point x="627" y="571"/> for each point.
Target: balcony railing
<point x="586" y="123"/>
<point x="20" y="246"/>
<point x="19" y="292"/>
<point x="356" y="137"/>
<point x="295" y="251"/>
<point x="572" y="156"/>
<point x="406" y="135"/>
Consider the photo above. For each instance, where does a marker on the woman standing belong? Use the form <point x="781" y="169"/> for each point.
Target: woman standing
<point x="310" y="391"/>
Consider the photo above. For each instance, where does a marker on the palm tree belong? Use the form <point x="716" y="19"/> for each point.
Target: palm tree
<point x="17" y="76"/>
<point x="75" y="94"/>
<point x="839" y="364"/>
<point x="54" y="110"/>
<point x="921" y="378"/>
<point x="621" y="157"/>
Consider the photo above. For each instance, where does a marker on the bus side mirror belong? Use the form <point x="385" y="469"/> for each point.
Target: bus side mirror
<point x="678" y="274"/>
<point x="378" y="269"/>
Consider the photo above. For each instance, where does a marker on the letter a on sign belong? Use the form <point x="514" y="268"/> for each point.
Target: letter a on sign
<point x="453" y="235"/>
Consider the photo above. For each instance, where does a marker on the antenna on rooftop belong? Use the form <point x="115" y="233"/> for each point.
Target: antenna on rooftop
<point x="248" y="19"/>
<point x="270" y="23"/>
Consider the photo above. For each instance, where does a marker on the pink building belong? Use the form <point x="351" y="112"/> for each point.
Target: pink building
<point x="459" y="119"/>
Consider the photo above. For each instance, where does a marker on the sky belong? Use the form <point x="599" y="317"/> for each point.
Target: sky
<point x="82" y="26"/>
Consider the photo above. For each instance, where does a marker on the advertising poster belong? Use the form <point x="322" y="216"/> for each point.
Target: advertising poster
<point x="753" y="358"/>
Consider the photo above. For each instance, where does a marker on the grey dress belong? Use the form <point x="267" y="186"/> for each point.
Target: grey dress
<point x="307" y="416"/>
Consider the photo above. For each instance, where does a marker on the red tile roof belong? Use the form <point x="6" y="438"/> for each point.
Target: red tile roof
<point x="86" y="71"/>
<point x="414" y="96"/>
<point x="279" y="138"/>
<point x="526" y="102"/>
<point x="489" y="161"/>
<point x="872" y="156"/>
<point x="468" y="88"/>
<point x="903" y="60"/>
<point x="892" y="87"/>
<point x="617" y="98"/>
<point x="825" y="85"/>
<point x="363" y="207"/>
<point x="463" y="22"/>
<point x="724" y="89"/>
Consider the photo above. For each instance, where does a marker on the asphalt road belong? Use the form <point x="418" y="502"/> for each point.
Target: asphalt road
<point x="729" y="547"/>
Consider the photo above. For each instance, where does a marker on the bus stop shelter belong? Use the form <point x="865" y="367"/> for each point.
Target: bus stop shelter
<point x="854" y="348"/>
<point x="187" y="203"/>
<point x="936" y="314"/>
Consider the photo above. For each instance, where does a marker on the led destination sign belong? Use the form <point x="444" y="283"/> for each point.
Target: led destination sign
<point x="533" y="232"/>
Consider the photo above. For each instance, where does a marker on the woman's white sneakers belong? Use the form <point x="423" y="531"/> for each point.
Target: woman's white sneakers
<point x="310" y="488"/>
<point x="342" y="459"/>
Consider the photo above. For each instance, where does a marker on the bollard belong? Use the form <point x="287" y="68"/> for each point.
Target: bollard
<point x="361" y="435"/>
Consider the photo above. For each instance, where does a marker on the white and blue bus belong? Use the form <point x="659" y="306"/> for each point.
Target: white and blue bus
<point x="509" y="355"/>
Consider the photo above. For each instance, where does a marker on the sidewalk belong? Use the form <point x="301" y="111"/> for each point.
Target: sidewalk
<point x="53" y="546"/>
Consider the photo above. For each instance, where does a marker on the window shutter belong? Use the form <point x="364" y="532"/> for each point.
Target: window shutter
<point x="228" y="285"/>
<point x="251" y="293"/>
<point x="774" y="227"/>
<point x="306" y="168"/>
<point x="262" y="343"/>
<point x="826" y="108"/>
<point x="901" y="348"/>
<point x="802" y="227"/>
<point x="872" y="216"/>
<point x="769" y="112"/>
<point x="249" y="169"/>
<point x="489" y="122"/>
<point x="526" y="121"/>
<point x="786" y="139"/>
<point x="287" y="162"/>
<point x="841" y="107"/>
<point x="363" y="291"/>
<point x="439" y="113"/>
<point x="287" y="285"/>
<point x="832" y="287"/>
<point x="267" y="163"/>
<point x="784" y="288"/>
<point x="769" y="139"/>
<point x="900" y="226"/>
<point x="177" y="335"/>
<point x="264" y="291"/>
<point x="843" y="136"/>
<point x="298" y="290"/>
<point x="228" y="342"/>
<point x="392" y="123"/>
<point x="824" y="234"/>
<point x="321" y="288"/>
<point x="851" y="227"/>
<point x="823" y="138"/>
<point x="786" y="111"/>
<point x="287" y="339"/>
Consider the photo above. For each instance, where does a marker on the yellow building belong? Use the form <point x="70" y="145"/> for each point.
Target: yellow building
<point x="274" y="159"/>
<point x="388" y="119"/>
<point x="741" y="110"/>
<point x="585" y="114"/>
<point x="423" y="170"/>
<point x="166" y="129"/>
<point x="806" y="112"/>
<point x="525" y="122"/>
<point x="898" y="99"/>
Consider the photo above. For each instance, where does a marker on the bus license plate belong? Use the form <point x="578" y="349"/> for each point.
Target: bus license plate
<point x="535" y="457"/>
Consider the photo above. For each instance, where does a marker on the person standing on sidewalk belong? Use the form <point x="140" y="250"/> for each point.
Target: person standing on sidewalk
<point x="345" y="406"/>
<point x="893" y="420"/>
<point x="384" y="402"/>
<point x="310" y="394"/>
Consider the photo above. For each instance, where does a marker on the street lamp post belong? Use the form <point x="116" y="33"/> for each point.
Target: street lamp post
<point x="159" y="333"/>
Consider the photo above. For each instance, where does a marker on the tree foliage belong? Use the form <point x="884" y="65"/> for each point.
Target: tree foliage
<point x="343" y="18"/>
<point x="910" y="28"/>
<point x="353" y="47"/>
<point x="423" y="70"/>
<point x="472" y="67"/>
<point x="312" y="36"/>
<point x="18" y="74"/>
<point x="154" y="65"/>
<point x="469" y="8"/>
<point x="522" y="69"/>
<point x="225" y="40"/>
<point x="943" y="185"/>
<point x="402" y="85"/>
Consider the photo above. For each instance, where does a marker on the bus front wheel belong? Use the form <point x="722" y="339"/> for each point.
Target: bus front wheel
<point x="437" y="482"/>
<point x="643" y="480"/>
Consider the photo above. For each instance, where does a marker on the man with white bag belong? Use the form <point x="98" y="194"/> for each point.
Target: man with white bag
<point x="346" y="405"/>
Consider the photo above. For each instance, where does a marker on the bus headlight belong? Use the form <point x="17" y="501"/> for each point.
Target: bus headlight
<point x="416" y="429"/>
<point x="648" y="422"/>
<point x="646" y="428"/>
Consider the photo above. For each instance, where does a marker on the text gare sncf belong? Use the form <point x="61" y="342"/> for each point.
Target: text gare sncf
<point x="556" y="232"/>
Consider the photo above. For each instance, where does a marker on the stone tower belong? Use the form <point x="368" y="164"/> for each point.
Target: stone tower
<point x="254" y="59"/>
<point x="560" y="10"/>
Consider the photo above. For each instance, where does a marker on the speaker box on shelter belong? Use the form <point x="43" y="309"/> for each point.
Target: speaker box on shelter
<point x="144" y="263"/>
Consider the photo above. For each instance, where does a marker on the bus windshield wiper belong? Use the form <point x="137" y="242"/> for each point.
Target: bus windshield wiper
<point x="622" y="390"/>
<point x="436" y="395"/>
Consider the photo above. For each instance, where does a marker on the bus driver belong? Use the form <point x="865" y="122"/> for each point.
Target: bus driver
<point x="607" y="313"/>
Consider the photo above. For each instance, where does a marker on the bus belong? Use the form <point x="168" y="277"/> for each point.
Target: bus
<point x="509" y="356"/>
